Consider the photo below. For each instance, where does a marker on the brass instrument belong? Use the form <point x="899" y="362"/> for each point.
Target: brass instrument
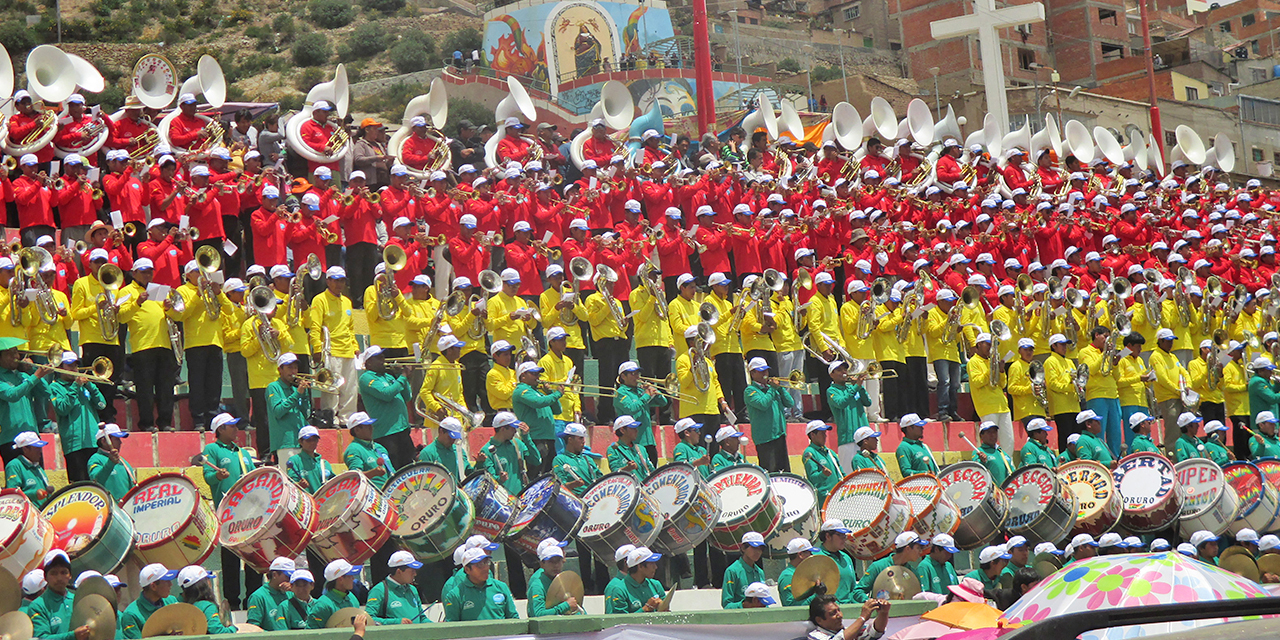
<point x="175" y="332"/>
<point x="668" y="386"/>
<point x="453" y="305"/>
<point x="31" y="261"/>
<point x="795" y="381"/>
<point x="99" y="371"/>
<point x="323" y="380"/>
<point x="393" y="259"/>
<point x="15" y="290"/>
<point x="337" y="140"/>
<point x="262" y="301"/>
<point x="1035" y="372"/>
<point x="579" y="388"/>
<point x="209" y="261"/>
<point x="47" y="120"/>
<point x="606" y="277"/>
<point x="699" y="354"/>
<point x="111" y="278"/>
<point x="295" y="301"/>
<point x="999" y="333"/>
<point x="651" y="280"/>
<point x="1080" y="378"/>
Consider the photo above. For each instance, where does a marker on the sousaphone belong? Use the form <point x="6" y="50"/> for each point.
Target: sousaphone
<point x="208" y="82"/>
<point x="1079" y="142"/>
<point x="1107" y="145"/>
<point x="334" y="92"/>
<point x="616" y="107"/>
<point x="517" y="101"/>
<point x="434" y="106"/>
<point x="155" y="81"/>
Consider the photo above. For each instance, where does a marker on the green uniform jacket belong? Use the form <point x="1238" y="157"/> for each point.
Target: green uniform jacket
<point x="766" y="406"/>
<point x="17" y="413"/>
<point x="848" y="403"/>
<point x="981" y="576"/>
<point x="1264" y="395"/>
<point x="634" y="402"/>
<point x="784" y="589"/>
<point x="135" y="616"/>
<point x="508" y="459"/>
<point x="998" y="463"/>
<point x="536" y="409"/>
<point x="686" y="452"/>
<point x="1035" y="453"/>
<point x="865" y="459"/>
<point x="116" y="477"/>
<point x="28" y="476"/>
<point x="77" y="409"/>
<point x="915" y="457"/>
<point x="1217" y="452"/>
<point x="386" y="400"/>
<point x="390" y="602"/>
<point x="449" y="458"/>
<point x="862" y="590"/>
<point x="1091" y="447"/>
<point x="736" y="578"/>
<point x="312" y="468"/>
<point x="287" y="411"/>
<point x="489" y="601"/>
<point x="230" y="457"/>
<point x="625" y="595"/>
<point x="576" y="466"/>
<point x="268" y="608"/>
<point x="537" y="605"/>
<point x="51" y="616"/>
<point x="1065" y="457"/>
<point x="213" y="618"/>
<point x="620" y="455"/>
<point x="1142" y="443"/>
<point x="1187" y="447"/>
<point x="367" y="455"/>
<point x="935" y="578"/>
<point x="326" y="605"/>
<point x="848" y="575"/>
<point x="821" y="469"/>
<point x="1268" y="448"/>
<point x="724" y="459"/>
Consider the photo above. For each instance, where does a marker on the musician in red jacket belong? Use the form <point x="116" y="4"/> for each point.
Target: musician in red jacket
<point x="360" y="237"/>
<point x="33" y="193"/>
<point x="468" y="256"/>
<point x="317" y="131"/>
<point x="74" y="131"/>
<point x="949" y="163"/>
<point x="404" y="234"/>
<point x="124" y="134"/>
<point x="168" y="252"/>
<point x="514" y="146"/>
<point x="270" y="224"/>
<point x="599" y="147"/>
<point x="418" y="147"/>
<point x="527" y="260"/>
<point x="26" y="120"/>
<point x="65" y="271"/>
<point x="76" y="205"/>
<point x="397" y="199"/>
<point x="1012" y="172"/>
<point x="124" y="190"/>
<point x="187" y="129"/>
<point x="204" y="211"/>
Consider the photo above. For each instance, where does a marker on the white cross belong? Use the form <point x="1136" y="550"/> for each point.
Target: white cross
<point x="984" y="21"/>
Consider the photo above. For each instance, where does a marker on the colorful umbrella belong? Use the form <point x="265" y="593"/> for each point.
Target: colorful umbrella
<point x="964" y="615"/>
<point x="1132" y="580"/>
<point x="927" y="630"/>
<point x="988" y="633"/>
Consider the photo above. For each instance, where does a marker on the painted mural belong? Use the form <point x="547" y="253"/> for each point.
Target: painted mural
<point x="674" y="96"/>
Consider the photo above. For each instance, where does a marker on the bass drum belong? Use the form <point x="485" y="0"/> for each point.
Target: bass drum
<point x="88" y="524"/>
<point x="433" y="515"/>
<point x="545" y="509"/>
<point x="264" y="516"/>
<point x="173" y="525"/>
<point x="353" y="519"/>
<point x="1041" y="507"/>
<point x="1100" y="503"/>
<point x="799" y="513"/>
<point x="1208" y="502"/>
<point x="618" y="512"/>
<point x="1149" y="488"/>
<point x="984" y="508"/>
<point x="492" y="501"/>
<point x="687" y="503"/>
<point x="931" y="509"/>
<point x="1259" y="500"/>
<point x="25" y="534"/>
<point x="747" y="503"/>
<point x="869" y="505"/>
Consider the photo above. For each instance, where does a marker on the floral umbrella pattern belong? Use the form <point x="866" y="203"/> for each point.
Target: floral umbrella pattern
<point x="1132" y="580"/>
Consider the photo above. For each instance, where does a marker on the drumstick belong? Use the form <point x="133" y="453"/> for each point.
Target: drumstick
<point x="975" y="448"/>
<point x="572" y="472"/>
<point x="199" y="459"/>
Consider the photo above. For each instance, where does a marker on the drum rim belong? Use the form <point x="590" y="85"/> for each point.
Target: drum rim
<point x="884" y="510"/>
<point x="1058" y="481"/>
<point x="112" y="508"/>
<point x="804" y="482"/>
<point x="1222" y="478"/>
<point x="933" y="504"/>
<point x="28" y="507"/>
<point x="753" y="469"/>
<point x="679" y="514"/>
<point x="622" y="518"/>
<point x="271" y="519"/>
<point x="1105" y="473"/>
<point x="386" y="492"/>
<point x="888" y="547"/>
<point x="1176" y="493"/>
<point x="971" y="464"/>
<point x="514" y="532"/>
<point x="185" y="523"/>
<point x="365" y="482"/>
<point x="479" y="473"/>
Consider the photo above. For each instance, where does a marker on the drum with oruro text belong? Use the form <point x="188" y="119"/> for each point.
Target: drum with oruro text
<point x="871" y="507"/>
<point x="618" y="512"/>
<point x="1041" y="507"/>
<point x="1099" y="503"/>
<point x="747" y="503"/>
<point x="1208" y="502"/>
<point x="492" y="501"/>
<point x="433" y="515"/>
<point x="353" y="518"/>
<point x="931" y="510"/>
<point x="1149" y="488"/>
<point x="25" y="534"/>
<point x="687" y="503"/>
<point x="172" y="524"/>
<point x="983" y="506"/>
<point x="88" y="524"/>
<point x="545" y="509"/>
<point x="265" y="516"/>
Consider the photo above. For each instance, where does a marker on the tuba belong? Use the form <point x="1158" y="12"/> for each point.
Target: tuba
<point x="111" y="278"/>
<point x="210" y="82"/>
<point x="516" y="101"/>
<point x="394" y="259"/>
<point x="209" y="261"/>
<point x="606" y="277"/>
<point x="699" y="366"/>
<point x="262" y="301"/>
<point x="580" y="269"/>
<point x="31" y="260"/>
<point x="651" y="278"/>
<point x="336" y="93"/>
<point x="1080" y="377"/>
<point x="1035" y="372"/>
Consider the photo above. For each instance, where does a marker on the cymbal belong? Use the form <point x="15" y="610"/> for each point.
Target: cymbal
<point x="95" y="612"/>
<point x="1269" y="563"/>
<point x="1234" y="550"/>
<point x="1046" y="564"/>
<point x="343" y="617"/>
<point x="567" y="584"/>
<point x="10" y="592"/>
<point x="815" y="569"/>
<point x="178" y="619"/>
<point x="1241" y="564"/>
<point x="898" y="581"/>
<point x="245" y="627"/>
<point x="666" y="600"/>
<point x="15" y="625"/>
<point x="97" y="585"/>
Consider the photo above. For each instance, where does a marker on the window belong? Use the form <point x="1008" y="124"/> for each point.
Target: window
<point x="1258" y="75"/>
<point x="1225" y="27"/>
<point x="1133" y="28"/>
<point x="1275" y="157"/>
<point x="1257" y="154"/>
<point x="1112" y="51"/>
<point x="1247" y="20"/>
<point x="1253" y="46"/>
<point x="895" y="46"/>
<point x="1170" y="140"/>
<point x="1193" y="93"/>
<point x="868" y="42"/>
<point x="1026" y="58"/>
<point x="1108" y="16"/>
<point x="852" y="12"/>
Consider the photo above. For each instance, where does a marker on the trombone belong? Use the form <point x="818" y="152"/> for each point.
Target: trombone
<point x="669" y="387"/>
<point x="98" y="372"/>
<point x="580" y="388"/>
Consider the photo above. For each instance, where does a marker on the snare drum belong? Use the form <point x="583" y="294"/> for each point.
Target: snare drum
<point x="686" y="502"/>
<point x="1259" y="501"/>
<point x="492" y="501"/>
<point x="354" y="519"/>
<point x="747" y="503"/>
<point x="264" y="516"/>
<point x="1100" y="505"/>
<point x="932" y="510"/>
<point x="88" y="524"/>
<point x="867" y="503"/>
<point x="544" y="510"/>
<point x="25" y="534"/>
<point x="1149" y="488"/>
<point x="433" y="515"/>
<point x="618" y="512"/>
<point x="172" y="524"/>
<point x="799" y="513"/>
<point x="1041" y="507"/>
<point x="1208" y="502"/>
<point x="983" y="506"/>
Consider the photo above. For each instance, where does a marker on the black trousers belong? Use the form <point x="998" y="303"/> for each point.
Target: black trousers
<point x="595" y="573"/>
<point x="547" y="451"/>
<point x="258" y="420"/>
<point x="770" y="357"/>
<point x="1213" y="411"/>
<point x="431" y="579"/>
<point x="710" y="425"/>
<point x="315" y="564"/>
<point x="773" y="455"/>
<point x="1240" y="437"/>
<point x="733" y="381"/>
<point x="231" y="566"/>
<point x="29" y="235"/>
<point x="91" y="351"/>
<point x="1065" y="425"/>
<point x="610" y="354"/>
<point x="475" y="366"/>
<point x="814" y="368"/>
<point x="154" y="371"/>
<point x="655" y="362"/>
<point x="400" y="448"/>
<point x="78" y="464"/>
<point x="916" y="389"/>
<point x="231" y="227"/>
<point x="7" y="452"/>
<point x="515" y="572"/>
<point x="204" y="370"/>
<point x="893" y="389"/>
<point x="246" y="252"/>
<point x="361" y="259"/>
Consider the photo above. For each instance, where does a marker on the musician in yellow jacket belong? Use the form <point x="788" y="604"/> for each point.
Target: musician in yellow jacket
<point x="786" y="342"/>
<point x="154" y="364"/>
<point x="293" y="311"/>
<point x="942" y="330"/>
<point x="989" y="401"/>
<point x="263" y="330"/>
<point x="1170" y="378"/>
<point x="1245" y="326"/>
<point x="421" y="319"/>
<point x="201" y="318"/>
<point x="500" y="382"/>
<point x="1132" y="377"/>
<point x="556" y="367"/>
<point x="388" y="333"/>
<point x="1101" y="393"/>
<point x="682" y="312"/>
<point x="892" y="356"/>
<point x="1026" y="403"/>
<point x="330" y="317"/>
<point x="861" y="348"/>
<point x="443" y="378"/>
<point x="654" y="343"/>
<point x="555" y="304"/>
<point x="823" y="321"/>
<point x="1059" y="380"/>
<point x="232" y="319"/>
<point x="1207" y="380"/>
<point x="707" y="404"/>
<point x="1236" y="385"/>
<point x="608" y="322"/>
<point x="86" y="310"/>
<point x="510" y="317"/>
<point x="11" y="327"/>
<point x="40" y="334"/>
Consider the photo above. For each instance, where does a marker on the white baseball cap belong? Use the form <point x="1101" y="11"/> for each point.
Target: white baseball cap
<point x="28" y="439"/>
<point x="798" y="545"/>
<point x="685" y="424"/>
<point x="403" y="559"/>
<point x="816" y="425"/>
<point x="906" y="538"/>
<point x="622" y="422"/>
<point x="1201" y="537"/>
<point x="1246" y="535"/>
<point x="863" y="433"/>
<point x="284" y="564"/>
<point x="944" y="542"/>
<point x="302" y="575"/>
<point x="505" y="419"/>
<point x="622" y="552"/>
<point x="192" y="574"/>
<point x="153" y="573"/>
<point x="339" y="568"/>
<point x="1085" y="416"/>
<point x="759" y="591"/>
<point x="993" y="553"/>
<point x="641" y="555"/>
<point x="33" y="582"/>
<point x="727" y="432"/>
<point x="1268" y="542"/>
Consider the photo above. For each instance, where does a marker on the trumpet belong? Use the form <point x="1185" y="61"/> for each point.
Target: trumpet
<point x="323" y="380"/>
<point x="795" y="380"/>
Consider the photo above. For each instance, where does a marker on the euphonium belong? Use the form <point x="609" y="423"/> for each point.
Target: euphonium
<point x="262" y="301"/>
<point x="999" y="333"/>
<point x="698" y="355"/>
<point x="31" y="261"/>
<point x="650" y="277"/>
<point x="606" y="277"/>
<point x="209" y="261"/>
<point x="393" y="259"/>
<point x="1035" y="372"/>
<point x="110" y="277"/>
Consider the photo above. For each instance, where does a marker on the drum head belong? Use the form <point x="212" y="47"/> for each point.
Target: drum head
<point x="423" y="494"/>
<point x="252" y="505"/>
<point x="161" y="506"/>
<point x="14" y="507"/>
<point x="1202" y="483"/>
<point x="797" y="495"/>
<point x="1246" y="479"/>
<point x="1092" y="484"/>
<point x="1031" y="490"/>
<point x="672" y="488"/>
<point x="1270" y="468"/>
<point x="922" y="491"/>
<point x="967" y="484"/>
<point x="531" y="502"/>
<point x="743" y="490"/>
<point x="860" y="500"/>
<point x="1145" y="480"/>
<point x="340" y="496"/>
<point x="79" y="513"/>
<point x="608" y="503"/>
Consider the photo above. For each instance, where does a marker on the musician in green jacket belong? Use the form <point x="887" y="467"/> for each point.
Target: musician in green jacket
<point x="508" y="458"/>
<point x="225" y="461"/>
<point x="26" y="472"/>
<point x="365" y="455"/>
<point x="689" y="448"/>
<point x="913" y="454"/>
<point x="108" y="467"/>
<point x="638" y="401"/>
<point x="991" y="562"/>
<point x="624" y="455"/>
<point x="936" y="571"/>
<point x="989" y="453"/>
<point x="867" y="439"/>
<point x="729" y="439"/>
<point x="306" y="468"/>
<point x="821" y="466"/>
<point x="745" y="570"/>
<point x="798" y="550"/>
<point x="848" y="401"/>
<point x="50" y="612"/>
<point x="76" y="404"/>
<point x="536" y="409"/>
<point x="387" y="393"/>
<point x="575" y="469"/>
<point x="1069" y="454"/>
<point x="1141" y="424"/>
<point x="1214" y="432"/>
<point x="1264" y="443"/>
<point x="268" y="607"/>
<point x="767" y="404"/>
<point x="447" y="449"/>
<point x="478" y="596"/>
<point x="1188" y="445"/>
<point x="156" y="583"/>
<point x="395" y="600"/>
<point x="908" y="549"/>
<point x="1037" y="450"/>
<point x="638" y="591"/>
<point x="288" y="405"/>
<point x="1264" y="391"/>
<point x="551" y="564"/>
<point x="197" y="591"/>
<point x="17" y="410"/>
<point x="340" y="578"/>
<point x="1090" y="445"/>
<point x="832" y="539"/>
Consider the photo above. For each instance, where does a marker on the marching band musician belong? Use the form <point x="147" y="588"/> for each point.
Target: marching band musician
<point x="553" y="304"/>
<point x="203" y="209"/>
<point x="1090" y="445"/>
<point x="25" y="121"/>
<point x="832" y="539"/>
<point x="558" y="366"/>
<point x="1188" y="445"/>
<point x="908" y="550"/>
<point x="798" y="550"/>
<point x="1036" y="450"/>
<point x="551" y="563"/>
<point x="33" y="194"/>
<point x="610" y="344"/>
<point x="577" y="469"/>
<point x="420" y="308"/>
<point x="624" y="455"/>
<point x="202" y="340"/>
<point x="330" y="314"/>
<point x="1131" y="383"/>
<point x="167" y="193"/>
<point x="654" y="343"/>
<point x="1025" y="405"/>
<point x="197" y="590"/>
<point x="1264" y="443"/>
<point x="443" y="378"/>
<point x="868" y="455"/>
<point x="989" y="453"/>
<point x="913" y="454"/>
<point x="638" y="401"/>
<point x="77" y="208"/>
<point x="152" y="357"/>
<point x="224" y="463"/>
<point x="25" y="470"/>
<point x="821" y="467"/>
<point x="64" y="268"/>
<point x="1235" y="385"/>
<point x="339" y="579"/>
<point x="395" y="600"/>
<point x="317" y="132"/>
<point x="283" y="280"/>
<point x="847" y="399"/>
<point x="477" y="595"/>
<point x="729" y="440"/>
<point x="386" y="393"/>
<point x="945" y="353"/>
<point x="500" y="382"/>
<point x="233" y="319"/>
<point x="509" y="316"/>
<point x="1102" y="393"/>
<point x="269" y="224"/>
<point x="359" y="235"/>
<point x="823" y="321"/>
<point x="167" y="249"/>
<point x="507" y="459"/>
<point x="537" y="410"/>
<point x="1212" y="406"/>
<point x="76" y="405"/>
<point x="445" y="451"/>
<point x="307" y="468"/>
<point x="288" y="406"/>
<point x="682" y="310"/>
<point x="989" y="400"/>
<point x="259" y="326"/>
<point x="107" y="465"/>
<point x="187" y="129"/>
<point x="1059" y="382"/>
<point x="50" y="613"/>
<point x="43" y="335"/>
<point x="991" y="563"/>
<point x="767" y="403"/>
<point x="747" y="569"/>
<point x="386" y="332"/>
<point x="1170" y="378"/>
<point x="637" y="591"/>
<point x="1214" y="442"/>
